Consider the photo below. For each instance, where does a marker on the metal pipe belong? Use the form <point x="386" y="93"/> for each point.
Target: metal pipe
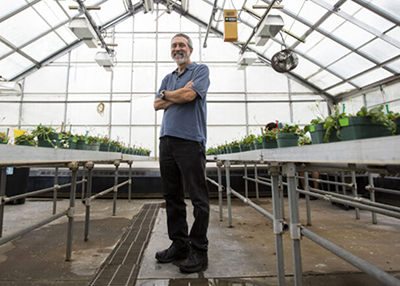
<point x="55" y="191"/>
<point x="282" y="196"/>
<point x="278" y="225"/>
<point x="228" y="191"/>
<point x="130" y="181"/>
<point x="382" y="190"/>
<point x="8" y="199"/>
<point x="308" y="207"/>
<point x="261" y="182"/>
<point x="214" y="10"/>
<point x="257" y="26"/>
<point x="89" y="166"/>
<point x="361" y="264"/>
<point x="2" y="194"/>
<point x="330" y="198"/>
<point x="71" y="211"/>
<point x="328" y="182"/>
<point x="359" y="200"/>
<point x="246" y="182"/>
<point x="220" y="188"/>
<point x="116" y="164"/>
<point x="32" y="227"/>
<point x="247" y="201"/>
<point x="372" y="196"/>
<point x="289" y="169"/>
<point x="344" y="190"/>
<point x="256" y="177"/>
<point x="213" y="182"/>
<point x="106" y="191"/>
<point x="354" y="190"/>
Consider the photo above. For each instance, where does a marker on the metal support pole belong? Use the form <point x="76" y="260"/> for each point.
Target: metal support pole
<point x="282" y="196"/>
<point x="336" y="186"/>
<point x="219" y="164"/>
<point x="372" y="196"/>
<point x="344" y="187"/>
<point x="55" y="191"/>
<point x="354" y="190"/>
<point x="83" y="184"/>
<point x="278" y="225"/>
<point x="228" y="191"/>
<point x="289" y="169"/>
<point x="2" y="194"/>
<point x="130" y="181"/>
<point x="71" y="211"/>
<point x="115" y="195"/>
<point x="256" y="177"/>
<point x="308" y="207"/>
<point x="89" y="166"/>
<point x="246" y="182"/>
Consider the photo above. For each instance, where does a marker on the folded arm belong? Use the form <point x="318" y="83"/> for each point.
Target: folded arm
<point x="179" y="96"/>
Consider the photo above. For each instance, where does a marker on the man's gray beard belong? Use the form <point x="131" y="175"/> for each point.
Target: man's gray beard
<point x="180" y="61"/>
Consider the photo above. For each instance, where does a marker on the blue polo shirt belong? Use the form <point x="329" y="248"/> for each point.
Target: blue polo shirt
<point x="188" y="120"/>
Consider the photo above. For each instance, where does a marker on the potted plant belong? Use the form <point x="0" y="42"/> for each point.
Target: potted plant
<point x="46" y="136"/>
<point x="104" y="144"/>
<point x="25" y="139"/>
<point x="234" y="146"/>
<point x="258" y="142"/>
<point x="80" y="142"/>
<point x="367" y="124"/>
<point x="246" y="143"/>
<point x="3" y="138"/>
<point x="92" y="143"/>
<point x="288" y="136"/>
<point x="327" y="129"/>
<point x="269" y="139"/>
<point x="114" y="146"/>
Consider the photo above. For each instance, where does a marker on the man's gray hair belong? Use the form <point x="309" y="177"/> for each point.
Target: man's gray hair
<point x="190" y="43"/>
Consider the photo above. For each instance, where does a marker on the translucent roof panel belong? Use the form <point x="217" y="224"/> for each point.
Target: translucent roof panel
<point x="344" y="49"/>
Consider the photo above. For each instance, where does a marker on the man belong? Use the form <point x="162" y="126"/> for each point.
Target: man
<point x="183" y="135"/>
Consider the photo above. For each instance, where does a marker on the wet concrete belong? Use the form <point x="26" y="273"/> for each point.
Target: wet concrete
<point x="240" y="255"/>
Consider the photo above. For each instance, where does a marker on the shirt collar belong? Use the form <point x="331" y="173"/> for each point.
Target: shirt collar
<point x="189" y="67"/>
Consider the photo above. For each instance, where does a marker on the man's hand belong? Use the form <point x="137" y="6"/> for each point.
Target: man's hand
<point x="189" y="84"/>
<point x="162" y="104"/>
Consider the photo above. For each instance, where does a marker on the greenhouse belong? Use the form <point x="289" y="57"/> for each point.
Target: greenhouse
<point x="87" y="94"/>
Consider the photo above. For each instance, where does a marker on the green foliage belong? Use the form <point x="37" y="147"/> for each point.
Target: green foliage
<point x="92" y="140"/>
<point x="25" y="138"/>
<point x="378" y="115"/>
<point x="270" y="134"/>
<point x="305" y="141"/>
<point x="331" y="123"/>
<point x="42" y="131"/>
<point x="3" y="136"/>
<point x="247" y="140"/>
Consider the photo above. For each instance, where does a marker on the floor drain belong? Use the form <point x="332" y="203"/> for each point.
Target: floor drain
<point x="122" y="265"/>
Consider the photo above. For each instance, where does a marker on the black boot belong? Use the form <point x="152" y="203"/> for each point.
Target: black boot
<point x="196" y="261"/>
<point x="174" y="252"/>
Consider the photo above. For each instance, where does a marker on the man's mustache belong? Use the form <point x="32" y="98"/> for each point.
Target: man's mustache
<point x="178" y="53"/>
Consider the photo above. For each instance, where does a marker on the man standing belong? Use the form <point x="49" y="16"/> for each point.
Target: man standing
<point x="183" y="136"/>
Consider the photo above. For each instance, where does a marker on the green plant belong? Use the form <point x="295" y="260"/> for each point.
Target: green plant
<point x="247" y="140"/>
<point x="92" y="140"/>
<point x="25" y="138"/>
<point x="332" y="122"/>
<point x="80" y="137"/>
<point x="270" y="134"/>
<point x="114" y="143"/>
<point x="43" y="132"/>
<point x="377" y="115"/>
<point x="3" y="136"/>
<point x="292" y="129"/>
<point x="305" y="141"/>
<point x="103" y="140"/>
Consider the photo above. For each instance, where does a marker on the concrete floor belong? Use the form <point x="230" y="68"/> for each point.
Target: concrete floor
<point x="240" y="255"/>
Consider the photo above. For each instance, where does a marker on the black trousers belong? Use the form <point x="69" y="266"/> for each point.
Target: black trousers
<point x="182" y="167"/>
